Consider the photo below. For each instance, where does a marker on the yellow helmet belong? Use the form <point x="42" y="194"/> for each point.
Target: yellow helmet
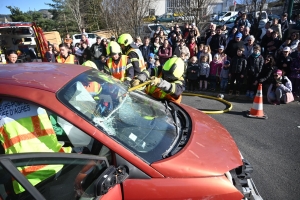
<point x="113" y="48"/>
<point x="89" y="63"/>
<point x="173" y="69"/>
<point x="125" y="39"/>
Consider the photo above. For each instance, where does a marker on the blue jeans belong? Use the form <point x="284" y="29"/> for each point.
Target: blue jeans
<point x="277" y="95"/>
<point x="224" y="82"/>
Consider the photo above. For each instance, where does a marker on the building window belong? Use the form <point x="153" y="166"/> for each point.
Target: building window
<point x="151" y="12"/>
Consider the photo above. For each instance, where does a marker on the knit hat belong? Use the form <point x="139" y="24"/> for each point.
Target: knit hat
<point x="278" y="71"/>
<point x="151" y="55"/>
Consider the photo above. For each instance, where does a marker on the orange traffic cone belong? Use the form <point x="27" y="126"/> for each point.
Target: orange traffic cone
<point x="257" y="108"/>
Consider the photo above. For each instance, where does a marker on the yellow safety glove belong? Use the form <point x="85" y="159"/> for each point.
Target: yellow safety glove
<point x="135" y="82"/>
<point x="155" y="81"/>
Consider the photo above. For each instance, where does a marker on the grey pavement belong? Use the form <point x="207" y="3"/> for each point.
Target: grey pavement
<point x="271" y="145"/>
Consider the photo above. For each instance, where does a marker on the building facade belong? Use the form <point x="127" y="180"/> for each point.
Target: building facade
<point x="160" y="7"/>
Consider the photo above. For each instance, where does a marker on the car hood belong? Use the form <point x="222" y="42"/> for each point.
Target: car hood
<point x="210" y="151"/>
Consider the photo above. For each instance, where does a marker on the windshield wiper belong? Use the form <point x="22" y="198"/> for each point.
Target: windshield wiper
<point x="178" y="136"/>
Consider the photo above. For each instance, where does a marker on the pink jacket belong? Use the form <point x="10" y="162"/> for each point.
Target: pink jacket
<point x="215" y="68"/>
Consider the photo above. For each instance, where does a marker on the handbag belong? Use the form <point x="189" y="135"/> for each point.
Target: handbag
<point x="289" y="97"/>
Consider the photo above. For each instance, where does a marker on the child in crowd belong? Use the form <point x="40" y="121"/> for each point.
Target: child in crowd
<point x="150" y="63"/>
<point x="200" y="50"/>
<point x="183" y="57"/>
<point x="204" y="71"/>
<point x="223" y="56"/>
<point x="215" y="69"/>
<point x="207" y="52"/>
<point x="192" y="74"/>
<point x="224" y="76"/>
<point x="237" y="71"/>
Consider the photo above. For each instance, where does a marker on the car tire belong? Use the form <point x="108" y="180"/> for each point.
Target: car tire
<point x="179" y="20"/>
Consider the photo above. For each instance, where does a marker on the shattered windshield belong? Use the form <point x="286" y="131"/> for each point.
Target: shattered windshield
<point x="141" y="124"/>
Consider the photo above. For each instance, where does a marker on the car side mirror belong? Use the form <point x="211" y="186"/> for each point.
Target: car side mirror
<point x="109" y="178"/>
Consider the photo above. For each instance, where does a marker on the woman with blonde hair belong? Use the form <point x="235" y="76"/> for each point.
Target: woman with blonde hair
<point x="207" y="52"/>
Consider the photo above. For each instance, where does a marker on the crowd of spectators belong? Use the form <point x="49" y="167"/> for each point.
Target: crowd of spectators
<point x="233" y="61"/>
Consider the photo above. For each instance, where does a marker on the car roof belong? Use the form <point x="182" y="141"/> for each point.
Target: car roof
<point x="44" y="76"/>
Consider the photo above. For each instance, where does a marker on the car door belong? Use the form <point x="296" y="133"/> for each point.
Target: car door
<point x="81" y="177"/>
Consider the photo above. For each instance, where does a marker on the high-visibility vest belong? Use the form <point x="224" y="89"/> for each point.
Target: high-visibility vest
<point x="158" y="93"/>
<point x="26" y="128"/>
<point x="141" y="60"/>
<point x="118" y="70"/>
<point x="70" y="59"/>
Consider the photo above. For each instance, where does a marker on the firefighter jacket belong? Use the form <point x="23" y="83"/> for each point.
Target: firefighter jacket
<point x="120" y="69"/>
<point x="27" y="128"/>
<point x="70" y="59"/>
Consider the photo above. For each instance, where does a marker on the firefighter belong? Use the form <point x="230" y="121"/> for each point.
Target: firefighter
<point x="28" y="131"/>
<point x="133" y="52"/>
<point x="118" y="65"/>
<point x="64" y="56"/>
<point x="167" y="82"/>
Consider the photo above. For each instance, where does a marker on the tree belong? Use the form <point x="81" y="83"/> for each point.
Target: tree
<point x="17" y="15"/>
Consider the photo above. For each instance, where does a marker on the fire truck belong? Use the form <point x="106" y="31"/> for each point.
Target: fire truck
<point x="26" y="38"/>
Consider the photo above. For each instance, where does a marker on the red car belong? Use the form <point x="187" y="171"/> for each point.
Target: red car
<point x="126" y="145"/>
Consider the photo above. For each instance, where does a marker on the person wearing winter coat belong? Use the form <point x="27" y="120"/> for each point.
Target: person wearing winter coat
<point x="192" y="74"/>
<point x="215" y="69"/>
<point x="265" y="76"/>
<point x="237" y="71"/>
<point x="254" y="67"/>
<point x="217" y="40"/>
<point x="182" y="48"/>
<point x="278" y="89"/>
<point x="204" y="72"/>
<point x="224" y="76"/>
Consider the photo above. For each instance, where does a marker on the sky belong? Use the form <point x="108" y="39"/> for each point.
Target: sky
<point x="24" y="5"/>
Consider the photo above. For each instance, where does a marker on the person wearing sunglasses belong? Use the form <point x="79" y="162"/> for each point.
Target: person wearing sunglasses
<point x="279" y="88"/>
<point x="265" y="76"/>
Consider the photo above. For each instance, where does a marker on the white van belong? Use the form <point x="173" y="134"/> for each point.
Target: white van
<point x="91" y="37"/>
<point x="224" y="16"/>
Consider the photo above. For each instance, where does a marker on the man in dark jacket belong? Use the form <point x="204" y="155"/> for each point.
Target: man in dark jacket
<point x="97" y="51"/>
<point x="237" y="71"/>
<point x="146" y="49"/>
<point x="234" y="45"/>
<point x="284" y="61"/>
<point x="217" y="40"/>
<point x="265" y="41"/>
<point x="254" y="67"/>
<point x="284" y="25"/>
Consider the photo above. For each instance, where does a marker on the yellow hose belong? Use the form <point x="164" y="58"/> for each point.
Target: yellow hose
<point x="139" y="86"/>
<point x="192" y="94"/>
<point x="215" y="98"/>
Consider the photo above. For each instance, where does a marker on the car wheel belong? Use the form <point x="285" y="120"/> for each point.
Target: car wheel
<point x="179" y="20"/>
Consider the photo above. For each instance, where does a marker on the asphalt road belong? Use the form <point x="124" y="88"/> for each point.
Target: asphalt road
<point x="271" y="145"/>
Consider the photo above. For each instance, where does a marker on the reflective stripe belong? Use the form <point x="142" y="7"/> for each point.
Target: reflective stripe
<point x="70" y="59"/>
<point x="118" y="70"/>
<point x="158" y="93"/>
<point x="141" y="60"/>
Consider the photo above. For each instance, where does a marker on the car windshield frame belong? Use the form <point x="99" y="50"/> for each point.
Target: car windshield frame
<point x="143" y="125"/>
